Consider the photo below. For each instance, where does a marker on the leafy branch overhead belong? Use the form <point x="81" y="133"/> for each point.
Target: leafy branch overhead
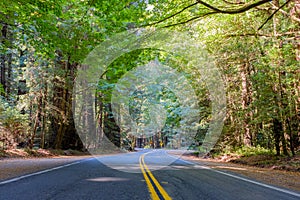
<point x="207" y="9"/>
<point x="253" y="43"/>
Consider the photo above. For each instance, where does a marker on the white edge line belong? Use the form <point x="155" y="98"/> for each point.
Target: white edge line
<point x="43" y="171"/>
<point x="258" y="183"/>
<point x="240" y="178"/>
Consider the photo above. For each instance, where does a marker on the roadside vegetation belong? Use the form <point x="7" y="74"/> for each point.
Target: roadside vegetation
<point x="253" y="156"/>
<point x="255" y="45"/>
<point x="39" y="153"/>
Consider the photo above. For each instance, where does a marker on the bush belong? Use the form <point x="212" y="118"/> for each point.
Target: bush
<point x="244" y="151"/>
<point x="14" y="126"/>
<point x="250" y="151"/>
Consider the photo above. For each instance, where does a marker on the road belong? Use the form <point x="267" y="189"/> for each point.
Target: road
<point x="141" y="175"/>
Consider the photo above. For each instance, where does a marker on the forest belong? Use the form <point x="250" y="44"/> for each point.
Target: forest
<point x="254" y="44"/>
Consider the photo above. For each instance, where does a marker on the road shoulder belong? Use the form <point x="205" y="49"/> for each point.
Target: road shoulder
<point x="285" y="179"/>
<point x="11" y="168"/>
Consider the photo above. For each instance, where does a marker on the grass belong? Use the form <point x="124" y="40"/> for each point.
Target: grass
<point x="252" y="151"/>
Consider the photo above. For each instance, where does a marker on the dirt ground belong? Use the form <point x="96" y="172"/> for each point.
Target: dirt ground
<point x="15" y="167"/>
<point x="281" y="178"/>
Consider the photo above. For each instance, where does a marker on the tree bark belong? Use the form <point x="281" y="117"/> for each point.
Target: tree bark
<point x="3" y="60"/>
<point x="111" y="129"/>
<point x="246" y="96"/>
<point x="277" y="128"/>
<point x="64" y="132"/>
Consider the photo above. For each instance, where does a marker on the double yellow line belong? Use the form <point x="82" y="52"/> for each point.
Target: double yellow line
<point x="152" y="182"/>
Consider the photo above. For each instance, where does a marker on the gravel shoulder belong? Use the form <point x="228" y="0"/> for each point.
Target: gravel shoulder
<point x="280" y="178"/>
<point x="14" y="167"/>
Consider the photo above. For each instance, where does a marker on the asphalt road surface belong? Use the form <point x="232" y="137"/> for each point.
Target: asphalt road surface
<point x="147" y="174"/>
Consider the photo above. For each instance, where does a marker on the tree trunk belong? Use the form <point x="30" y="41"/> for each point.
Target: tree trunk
<point x="277" y="128"/>
<point x="111" y="129"/>
<point x="246" y="96"/>
<point x="278" y="90"/>
<point x="3" y="61"/>
<point x="64" y="132"/>
<point x="44" y="116"/>
<point x="100" y="132"/>
<point x="9" y="75"/>
<point x="36" y="122"/>
<point x="295" y="14"/>
<point x="63" y="121"/>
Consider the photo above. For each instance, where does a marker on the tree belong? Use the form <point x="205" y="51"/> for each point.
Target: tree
<point x="255" y="44"/>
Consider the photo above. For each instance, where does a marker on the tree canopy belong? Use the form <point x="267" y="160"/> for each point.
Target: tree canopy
<point x="253" y="43"/>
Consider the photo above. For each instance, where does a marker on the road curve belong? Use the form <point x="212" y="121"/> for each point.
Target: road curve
<point x="142" y="175"/>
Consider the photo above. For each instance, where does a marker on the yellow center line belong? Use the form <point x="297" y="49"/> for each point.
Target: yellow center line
<point x="150" y="186"/>
<point x="156" y="183"/>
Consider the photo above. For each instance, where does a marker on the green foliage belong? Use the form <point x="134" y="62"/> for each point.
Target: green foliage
<point x="242" y="151"/>
<point x="1" y="89"/>
<point x="14" y="125"/>
<point x="47" y="40"/>
<point x="250" y="151"/>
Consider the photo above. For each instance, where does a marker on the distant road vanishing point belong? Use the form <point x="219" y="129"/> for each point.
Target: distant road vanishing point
<point x="146" y="174"/>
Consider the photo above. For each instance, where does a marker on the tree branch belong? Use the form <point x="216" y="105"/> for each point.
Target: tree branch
<point x="173" y="15"/>
<point x="215" y="10"/>
<point x="234" y="3"/>
<point x="235" y="11"/>
<point x="271" y="16"/>
<point x="261" y="35"/>
<point x="247" y="35"/>
<point x="286" y="14"/>
<point x="189" y="20"/>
